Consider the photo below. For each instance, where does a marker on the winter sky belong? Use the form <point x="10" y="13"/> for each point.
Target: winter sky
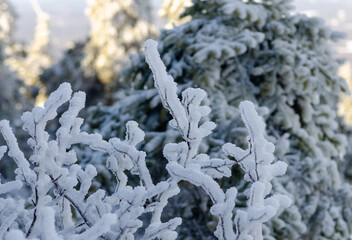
<point x="70" y="24"/>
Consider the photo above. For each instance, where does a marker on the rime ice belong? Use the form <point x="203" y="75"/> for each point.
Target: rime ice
<point x="63" y="205"/>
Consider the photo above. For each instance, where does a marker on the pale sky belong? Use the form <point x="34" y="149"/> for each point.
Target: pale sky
<point x="70" y="24"/>
<point x="67" y="19"/>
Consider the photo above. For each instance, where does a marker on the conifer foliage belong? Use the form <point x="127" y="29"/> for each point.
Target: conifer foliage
<point x="259" y="51"/>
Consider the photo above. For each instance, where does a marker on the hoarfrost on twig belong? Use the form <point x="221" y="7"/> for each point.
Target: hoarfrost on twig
<point x="62" y="204"/>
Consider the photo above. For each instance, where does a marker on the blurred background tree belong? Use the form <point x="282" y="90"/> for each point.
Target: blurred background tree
<point x="14" y="94"/>
<point x="256" y="50"/>
<point x="29" y="61"/>
<point x="12" y="90"/>
<point x="118" y="28"/>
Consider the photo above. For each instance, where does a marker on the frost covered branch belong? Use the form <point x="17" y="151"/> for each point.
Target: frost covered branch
<point x="58" y="183"/>
<point x="185" y="163"/>
<point x="58" y="200"/>
<point x="256" y="162"/>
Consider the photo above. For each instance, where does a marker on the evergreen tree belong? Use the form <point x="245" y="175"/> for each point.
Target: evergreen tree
<point x="29" y="61"/>
<point x="118" y="28"/>
<point x="69" y="69"/>
<point x="259" y="51"/>
<point x="171" y="11"/>
<point x="12" y="89"/>
<point x="14" y="97"/>
<point x="35" y="57"/>
<point x="7" y="19"/>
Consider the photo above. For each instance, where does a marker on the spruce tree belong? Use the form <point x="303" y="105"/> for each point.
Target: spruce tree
<point x="30" y="61"/>
<point x="12" y="89"/>
<point x="118" y="28"/>
<point x="14" y="97"/>
<point x="171" y="10"/>
<point x="259" y="51"/>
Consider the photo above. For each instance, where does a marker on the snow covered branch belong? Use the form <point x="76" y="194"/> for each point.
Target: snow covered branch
<point x="61" y="189"/>
<point x="57" y="199"/>
<point x="185" y="163"/>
